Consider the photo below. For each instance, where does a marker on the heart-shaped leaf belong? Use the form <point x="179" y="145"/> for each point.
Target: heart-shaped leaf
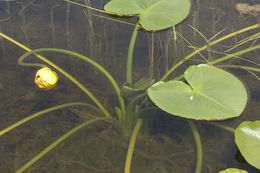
<point x="247" y="138"/>
<point x="211" y="94"/>
<point x="154" y="14"/>
<point x="233" y="170"/>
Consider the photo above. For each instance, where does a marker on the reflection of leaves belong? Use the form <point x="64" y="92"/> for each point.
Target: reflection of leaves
<point x="247" y="138"/>
<point x="154" y="14"/>
<point x="211" y="94"/>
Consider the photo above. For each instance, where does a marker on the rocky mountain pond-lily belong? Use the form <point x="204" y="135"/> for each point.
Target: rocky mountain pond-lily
<point x="203" y="92"/>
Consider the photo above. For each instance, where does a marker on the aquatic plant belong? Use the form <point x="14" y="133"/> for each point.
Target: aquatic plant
<point x="209" y="93"/>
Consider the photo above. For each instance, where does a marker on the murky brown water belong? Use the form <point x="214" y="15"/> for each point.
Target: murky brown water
<point x="98" y="148"/>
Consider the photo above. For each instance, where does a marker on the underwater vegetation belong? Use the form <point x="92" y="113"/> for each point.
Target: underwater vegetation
<point x="203" y="92"/>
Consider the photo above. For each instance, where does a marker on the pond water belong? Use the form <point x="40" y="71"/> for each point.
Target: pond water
<point x="98" y="148"/>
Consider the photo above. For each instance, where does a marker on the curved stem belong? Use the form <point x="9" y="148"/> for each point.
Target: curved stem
<point x="82" y="87"/>
<point x="205" y="47"/>
<point x="54" y="144"/>
<point x="198" y="146"/>
<point x="130" y="55"/>
<point x="132" y="145"/>
<point x="21" y="46"/>
<point x="88" y="60"/>
<point x="107" y="114"/>
<point x="75" y="81"/>
<point x="2" y="132"/>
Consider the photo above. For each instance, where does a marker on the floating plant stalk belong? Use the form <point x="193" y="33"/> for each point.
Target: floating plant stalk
<point x="55" y="143"/>
<point x="198" y="146"/>
<point x="132" y="145"/>
<point x="30" y="117"/>
<point x="90" y="61"/>
<point x="76" y="82"/>
<point x="205" y="47"/>
<point x="130" y="55"/>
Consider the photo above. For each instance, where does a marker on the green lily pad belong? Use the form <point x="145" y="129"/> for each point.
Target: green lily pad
<point x="138" y="88"/>
<point x="233" y="170"/>
<point x="247" y="138"/>
<point x="154" y="14"/>
<point x="211" y="94"/>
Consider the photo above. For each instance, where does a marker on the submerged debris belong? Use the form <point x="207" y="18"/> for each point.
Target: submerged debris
<point x="245" y="8"/>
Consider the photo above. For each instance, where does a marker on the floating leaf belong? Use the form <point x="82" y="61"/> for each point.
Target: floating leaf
<point x="211" y="94"/>
<point x="138" y="88"/>
<point x="233" y="170"/>
<point x="247" y="138"/>
<point x="154" y="14"/>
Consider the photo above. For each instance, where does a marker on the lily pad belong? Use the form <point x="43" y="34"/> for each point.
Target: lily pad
<point x="211" y="94"/>
<point x="247" y="138"/>
<point x="233" y="170"/>
<point x="138" y="88"/>
<point x="154" y="14"/>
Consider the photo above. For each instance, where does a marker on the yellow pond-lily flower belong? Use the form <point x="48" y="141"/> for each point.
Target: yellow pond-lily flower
<point x="45" y="78"/>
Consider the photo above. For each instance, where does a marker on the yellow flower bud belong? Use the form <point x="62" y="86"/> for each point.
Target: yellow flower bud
<point x="45" y="78"/>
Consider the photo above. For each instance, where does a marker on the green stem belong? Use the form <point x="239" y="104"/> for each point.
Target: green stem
<point x="88" y="60"/>
<point x="205" y="47"/>
<point x="234" y="54"/>
<point x="130" y="55"/>
<point x="130" y="119"/>
<point x="54" y="144"/>
<point x="75" y="81"/>
<point x="198" y="146"/>
<point x="132" y="145"/>
<point x="91" y="8"/>
<point x="106" y="113"/>
<point x="44" y="112"/>
<point x="223" y="126"/>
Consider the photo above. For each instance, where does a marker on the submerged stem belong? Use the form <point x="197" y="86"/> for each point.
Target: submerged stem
<point x="95" y="9"/>
<point x="234" y="54"/>
<point x="54" y="144"/>
<point x="93" y="63"/>
<point x="81" y="86"/>
<point x="2" y="132"/>
<point x="205" y="47"/>
<point x="130" y="55"/>
<point x="198" y="146"/>
<point x="74" y="80"/>
<point x="223" y="126"/>
<point x="131" y="146"/>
